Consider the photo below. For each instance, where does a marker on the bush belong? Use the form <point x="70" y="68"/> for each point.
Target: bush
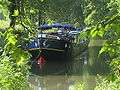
<point x="12" y="76"/>
<point x="105" y="84"/>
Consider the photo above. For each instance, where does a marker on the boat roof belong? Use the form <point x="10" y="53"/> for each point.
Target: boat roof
<point x="58" y="25"/>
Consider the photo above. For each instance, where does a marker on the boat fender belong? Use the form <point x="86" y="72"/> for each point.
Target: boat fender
<point x="41" y="61"/>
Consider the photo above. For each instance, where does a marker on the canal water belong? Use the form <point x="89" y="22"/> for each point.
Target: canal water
<point x="80" y="70"/>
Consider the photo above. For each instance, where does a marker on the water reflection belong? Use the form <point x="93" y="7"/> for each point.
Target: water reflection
<point x="59" y="82"/>
<point x="65" y="74"/>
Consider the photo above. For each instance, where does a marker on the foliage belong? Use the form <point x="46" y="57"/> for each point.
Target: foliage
<point x="13" y="63"/>
<point x="12" y="76"/>
<point x="83" y="35"/>
<point x="104" y="23"/>
<point x="106" y="27"/>
<point x="115" y="72"/>
<point x="13" y="58"/>
<point x="104" y="84"/>
<point x="4" y="9"/>
<point x="79" y="86"/>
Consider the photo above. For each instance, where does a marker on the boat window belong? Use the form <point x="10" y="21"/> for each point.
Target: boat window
<point x="56" y="44"/>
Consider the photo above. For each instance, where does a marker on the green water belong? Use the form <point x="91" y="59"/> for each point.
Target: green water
<point x="82" y="67"/>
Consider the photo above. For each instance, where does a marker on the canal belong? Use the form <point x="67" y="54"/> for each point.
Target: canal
<point x="80" y="70"/>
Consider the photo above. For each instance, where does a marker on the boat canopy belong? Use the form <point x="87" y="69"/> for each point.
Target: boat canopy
<point x="58" y="25"/>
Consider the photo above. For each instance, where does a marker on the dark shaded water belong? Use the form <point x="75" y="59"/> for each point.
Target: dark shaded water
<point x="81" y="68"/>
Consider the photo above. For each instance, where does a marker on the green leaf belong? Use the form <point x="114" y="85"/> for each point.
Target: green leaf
<point x="21" y="61"/>
<point x="88" y="20"/>
<point x="101" y="33"/>
<point x="32" y="11"/>
<point x="83" y="35"/>
<point x="12" y="40"/>
<point x="103" y="49"/>
<point x="42" y="0"/>
<point x="16" y="13"/>
<point x="94" y="33"/>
